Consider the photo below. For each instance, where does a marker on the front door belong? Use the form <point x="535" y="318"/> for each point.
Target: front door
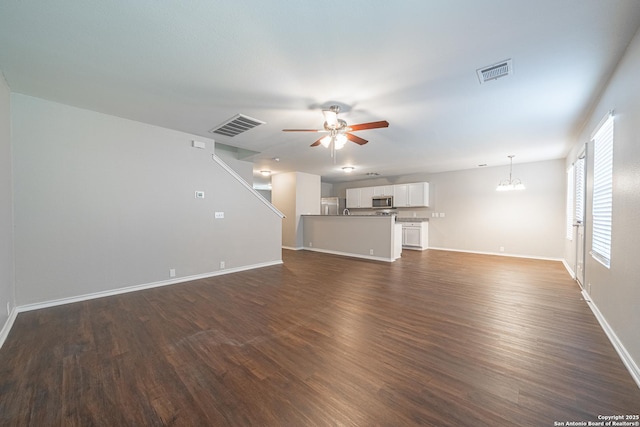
<point x="579" y="197"/>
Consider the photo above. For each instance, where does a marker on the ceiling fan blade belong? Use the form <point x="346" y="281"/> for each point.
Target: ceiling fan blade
<point x="356" y="139"/>
<point x="303" y="130"/>
<point x="315" y="144"/>
<point x="370" y="125"/>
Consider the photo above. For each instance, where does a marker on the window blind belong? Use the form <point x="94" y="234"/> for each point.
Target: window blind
<point x="579" y="190"/>
<point x="570" y="208"/>
<point x="602" y="193"/>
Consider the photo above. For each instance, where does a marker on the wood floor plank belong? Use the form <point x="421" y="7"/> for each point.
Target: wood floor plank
<point x="436" y="338"/>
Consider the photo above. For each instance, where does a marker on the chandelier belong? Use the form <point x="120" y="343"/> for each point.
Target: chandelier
<point x="510" y="184"/>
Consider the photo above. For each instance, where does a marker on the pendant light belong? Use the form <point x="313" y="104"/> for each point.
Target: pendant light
<point x="510" y="184"/>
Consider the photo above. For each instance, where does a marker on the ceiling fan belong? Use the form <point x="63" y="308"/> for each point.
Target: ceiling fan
<point x="339" y="131"/>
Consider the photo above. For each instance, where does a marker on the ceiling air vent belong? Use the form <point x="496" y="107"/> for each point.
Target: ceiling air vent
<point x="495" y="71"/>
<point x="236" y="125"/>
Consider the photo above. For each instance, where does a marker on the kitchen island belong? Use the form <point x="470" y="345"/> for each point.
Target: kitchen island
<point x="376" y="237"/>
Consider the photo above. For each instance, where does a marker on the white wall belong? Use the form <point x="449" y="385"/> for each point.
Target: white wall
<point x="283" y="196"/>
<point x="616" y="290"/>
<point x="7" y="284"/>
<point x="480" y="219"/>
<point x="102" y="203"/>
<point x="242" y="168"/>
<point x="295" y="194"/>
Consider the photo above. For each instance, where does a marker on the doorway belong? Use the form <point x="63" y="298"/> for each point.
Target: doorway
<point x="579" y="215"/>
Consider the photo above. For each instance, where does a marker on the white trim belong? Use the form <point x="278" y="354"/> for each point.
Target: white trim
<point x="291" y="248"/>
<point x="569" y="269"/>
<point x="4" y="333"/>
<point x="626" y="358"/>
<point x="350" y="254"/>
<point x="86" y="297"/>
<point x="242" y="181"/>
<point x="498" y="254"/>
<point x="602" y="121"/>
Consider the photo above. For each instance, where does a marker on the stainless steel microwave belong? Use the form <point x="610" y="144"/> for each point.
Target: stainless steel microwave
<point x="383" y="202"/>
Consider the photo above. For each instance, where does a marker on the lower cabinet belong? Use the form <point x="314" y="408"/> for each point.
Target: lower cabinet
<point x="415" y="235"/>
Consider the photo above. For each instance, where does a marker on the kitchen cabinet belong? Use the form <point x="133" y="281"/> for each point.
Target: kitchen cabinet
<point x="385" y="190"/>
<point x="359" y="197"/>
<point x="366" y="194"/>
<point x="415" y="235"/>
<point x="353" y="198"/>
<point x="411" y="195"/>
<point x="401" y="195"/>
<point x="414" y="195"/>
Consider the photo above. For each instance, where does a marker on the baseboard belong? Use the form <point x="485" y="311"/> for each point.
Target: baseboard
<point x="4" y="333"/>
<point x="350" y="254"/>
<point x="86" y="297"/>
<point x="569" y="269"/>
<point x="292" y="248"/>
<point x="497" y="254"/>
<point x="628" y="361"/>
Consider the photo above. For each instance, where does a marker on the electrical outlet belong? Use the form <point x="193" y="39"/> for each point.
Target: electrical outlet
<point x="199" y="194"/>
<point x="370" y="251"/>
<point x="310" y="244"/>
<point x="501" y="248"/>
<point x="221" y="265"/>
<point x="172" y="272"/>
<point x="219" y="215"/>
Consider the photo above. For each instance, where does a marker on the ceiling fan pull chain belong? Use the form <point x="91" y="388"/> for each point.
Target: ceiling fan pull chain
<point x="334" y="152"/>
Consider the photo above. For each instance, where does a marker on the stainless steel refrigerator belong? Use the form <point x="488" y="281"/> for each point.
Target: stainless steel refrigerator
<point x="331" y="206"/>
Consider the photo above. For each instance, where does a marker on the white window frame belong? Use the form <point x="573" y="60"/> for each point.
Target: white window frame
<point x="580" y="189"/>
<point x="602" y="203"/>
<point x="570" y="202"/>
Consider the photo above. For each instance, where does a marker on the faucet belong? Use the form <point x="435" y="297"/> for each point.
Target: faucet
<point x="346" y="212"/>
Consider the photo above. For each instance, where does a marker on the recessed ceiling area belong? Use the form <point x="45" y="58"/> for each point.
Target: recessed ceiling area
<point x="192" y="65"/>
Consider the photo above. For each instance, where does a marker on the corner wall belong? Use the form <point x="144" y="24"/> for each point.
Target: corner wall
<point x="615" y="291"/>
<point x="103" y="203"/>
<point x="7" y="282"/>
<point x="295" y="194"/>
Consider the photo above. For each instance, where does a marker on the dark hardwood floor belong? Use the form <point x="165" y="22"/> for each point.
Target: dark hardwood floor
<point x="436" y="338"/>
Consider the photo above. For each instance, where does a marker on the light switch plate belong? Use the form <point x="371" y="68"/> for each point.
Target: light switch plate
<point x="199" y="194"/>
<point x="219" y="215"/>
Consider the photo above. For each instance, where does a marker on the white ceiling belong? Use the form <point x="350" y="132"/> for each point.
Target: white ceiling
<point x="191" y="65"/>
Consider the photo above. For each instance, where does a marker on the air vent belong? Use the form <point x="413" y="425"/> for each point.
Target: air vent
<point x="495" y="71"/>
<point x="236" y="125"/>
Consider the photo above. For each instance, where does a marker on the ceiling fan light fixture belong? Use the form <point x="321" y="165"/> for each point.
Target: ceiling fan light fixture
<point x="331" y="117"/>
<point x="326" y="141"/>
<point x="340" y="141"/>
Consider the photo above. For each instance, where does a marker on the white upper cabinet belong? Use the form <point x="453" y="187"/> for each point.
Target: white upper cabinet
<point x="385" y="190"/>
<point x="419" y="194"/>
<point x="400" y="195"/>
<point x="353" y="197"/>
<point x="366" y="194"/>
<point x="411" y="195"/>
<point x="359" y="197"/>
